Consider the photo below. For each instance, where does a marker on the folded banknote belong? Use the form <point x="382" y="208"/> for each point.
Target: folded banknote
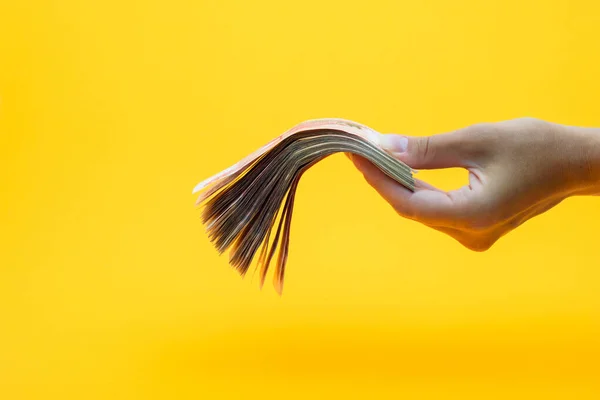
<point x="247" y="208"/>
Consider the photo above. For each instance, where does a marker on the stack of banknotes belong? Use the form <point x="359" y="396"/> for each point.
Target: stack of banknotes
<point x="247" y="208"/>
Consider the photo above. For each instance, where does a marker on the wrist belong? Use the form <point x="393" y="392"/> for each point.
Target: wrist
<point x="583" y="168"/>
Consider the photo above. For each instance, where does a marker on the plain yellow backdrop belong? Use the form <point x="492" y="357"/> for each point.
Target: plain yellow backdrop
<point x="110" y="113"/>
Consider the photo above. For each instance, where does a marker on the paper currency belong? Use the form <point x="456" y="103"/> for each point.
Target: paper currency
<point x="245" y="202"/>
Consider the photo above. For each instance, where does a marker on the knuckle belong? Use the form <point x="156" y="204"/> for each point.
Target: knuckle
<point x="522" y="123"/>
<point x="425" y="150"/>
<point x="528" y="120"/>
<point x="479" y="128"/>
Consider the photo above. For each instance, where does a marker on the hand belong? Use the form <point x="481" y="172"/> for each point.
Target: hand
<point x="517" y="169"/>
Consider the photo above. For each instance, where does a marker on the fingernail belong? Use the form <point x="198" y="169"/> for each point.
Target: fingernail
<point x="394" y="143"/>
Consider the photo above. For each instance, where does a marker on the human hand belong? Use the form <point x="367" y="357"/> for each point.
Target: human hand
<point x="517" y="169"/>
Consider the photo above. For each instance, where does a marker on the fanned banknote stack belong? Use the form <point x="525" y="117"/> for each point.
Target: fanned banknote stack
<point x="247" y="208"/>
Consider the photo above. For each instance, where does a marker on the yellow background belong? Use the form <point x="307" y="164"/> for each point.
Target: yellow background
<point x="110" y="113"/>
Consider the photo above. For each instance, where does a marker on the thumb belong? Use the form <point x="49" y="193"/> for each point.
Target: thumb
<point x="427" y="152"/>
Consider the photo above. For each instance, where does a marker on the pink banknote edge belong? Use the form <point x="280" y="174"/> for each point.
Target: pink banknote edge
<point x="344" y="125"/>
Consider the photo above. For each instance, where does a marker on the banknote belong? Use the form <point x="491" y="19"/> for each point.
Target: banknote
<point x="247" y="208"/>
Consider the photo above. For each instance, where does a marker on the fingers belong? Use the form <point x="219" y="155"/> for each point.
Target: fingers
<point x="389" y="189"/>
<point x="438" y="151"/>
<point x="427" y="204"/>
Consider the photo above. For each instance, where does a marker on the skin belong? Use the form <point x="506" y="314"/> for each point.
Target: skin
<point x="518" y="169"/>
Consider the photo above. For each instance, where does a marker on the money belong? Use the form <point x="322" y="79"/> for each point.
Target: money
<point x="247" y="208"/>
